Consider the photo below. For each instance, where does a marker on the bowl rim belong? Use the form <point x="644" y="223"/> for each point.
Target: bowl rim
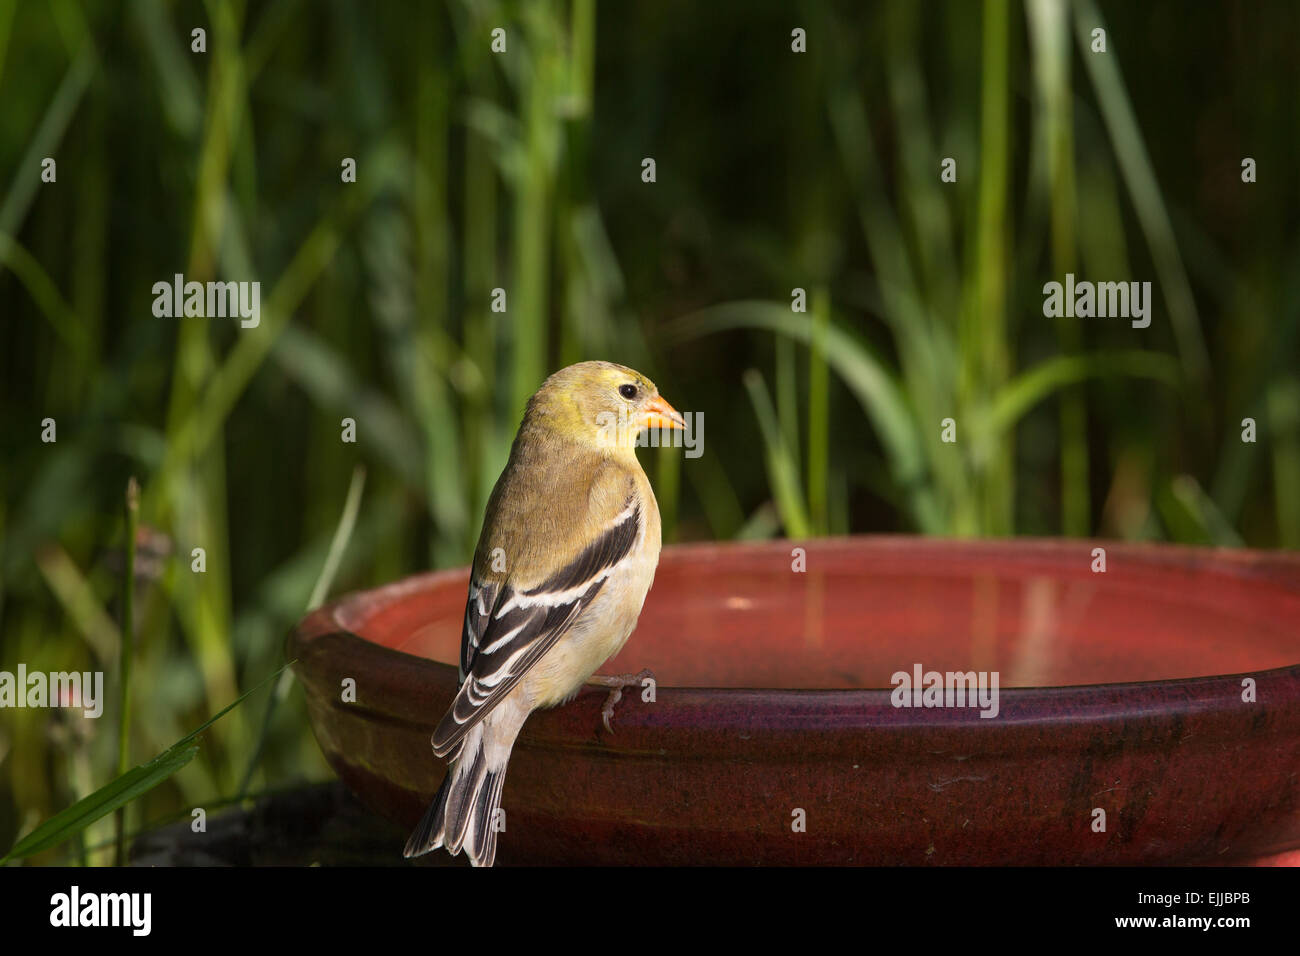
<point x="1281" y="569"/>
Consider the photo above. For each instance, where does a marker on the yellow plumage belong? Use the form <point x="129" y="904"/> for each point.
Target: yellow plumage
<point x="567" y="553"/>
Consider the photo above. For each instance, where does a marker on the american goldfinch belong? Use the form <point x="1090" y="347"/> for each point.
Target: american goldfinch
<point x="568" y="550"/>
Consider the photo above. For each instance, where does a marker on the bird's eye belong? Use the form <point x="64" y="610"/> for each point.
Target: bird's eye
<point x="627" y="391"/>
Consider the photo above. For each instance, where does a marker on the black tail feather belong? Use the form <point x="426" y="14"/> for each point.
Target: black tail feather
<point x="461" y="815"/>
<point x="428" y="835"/>
<point x="460" y="800"/>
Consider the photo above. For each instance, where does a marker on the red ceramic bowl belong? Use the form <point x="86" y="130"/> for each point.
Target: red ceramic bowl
<point x="1120" y="693"/>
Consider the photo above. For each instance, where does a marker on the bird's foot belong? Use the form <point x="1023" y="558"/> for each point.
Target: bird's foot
<point x="617" y="683"/>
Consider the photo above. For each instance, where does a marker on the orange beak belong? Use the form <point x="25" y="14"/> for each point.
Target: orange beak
<point x="659" y="414"/>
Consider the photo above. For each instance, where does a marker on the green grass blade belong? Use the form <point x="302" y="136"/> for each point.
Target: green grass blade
<point x="1049" y="32"/>
<point x="1191" y="516"/>
<point x="44" y="292"/>
<point x="1135" y="164"/>
<point x="126" y="649"/>
<point x="781" y="468"/>
<point x="78" y="600"/>
<point x="134" y="783"/>
<point x="983" y="336"/>
<point x="819" y="415"/>
<point x="122" y="790"/>
<point x="668" y="489"/>
<point x="1284" y="424"/>
<point x="45" y="140"/>
<point x="339" y="544"/>
<point x="1032" y="386"/>
<point x="7" y="8"/>
<point x="342" y="534"/>
<point x="865" y="375"/>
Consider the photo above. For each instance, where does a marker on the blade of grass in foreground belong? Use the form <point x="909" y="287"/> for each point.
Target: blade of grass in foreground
<point x="342" y="534"/>
<point x="121" y="791"/>
<point x="126" y="649"/>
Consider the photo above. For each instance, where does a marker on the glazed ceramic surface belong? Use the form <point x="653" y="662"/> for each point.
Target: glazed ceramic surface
<point x="1123" y="697"/>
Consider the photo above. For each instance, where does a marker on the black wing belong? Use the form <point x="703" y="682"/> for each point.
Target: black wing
<point x="507" y="630"/>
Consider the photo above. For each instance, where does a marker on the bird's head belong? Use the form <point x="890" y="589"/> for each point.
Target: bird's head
<point x="600" y="404"/>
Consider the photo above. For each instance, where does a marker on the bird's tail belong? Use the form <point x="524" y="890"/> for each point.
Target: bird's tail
<point x="463" y="814"/>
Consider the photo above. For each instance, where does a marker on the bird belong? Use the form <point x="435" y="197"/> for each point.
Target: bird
<point x="567" y="553"/>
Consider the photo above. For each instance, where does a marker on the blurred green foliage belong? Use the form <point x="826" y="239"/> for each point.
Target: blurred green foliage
<point x="522" y="171"/>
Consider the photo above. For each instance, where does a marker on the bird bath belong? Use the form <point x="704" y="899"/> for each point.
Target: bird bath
<point x="1124" y="700"/>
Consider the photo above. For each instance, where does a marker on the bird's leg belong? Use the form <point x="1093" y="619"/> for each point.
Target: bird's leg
<point x="616" y="683"/>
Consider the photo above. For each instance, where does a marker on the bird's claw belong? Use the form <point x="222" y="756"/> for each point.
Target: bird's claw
<point x="607" y="711"/>
<point x="616" y="685"/>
